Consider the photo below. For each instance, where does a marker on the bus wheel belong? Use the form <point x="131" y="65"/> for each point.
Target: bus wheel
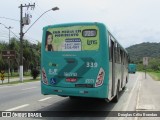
<point x="124" y="87"/>
<point x="106" y="100"/>
<point x="73" y="97"/>
<point x="115" y="99"/>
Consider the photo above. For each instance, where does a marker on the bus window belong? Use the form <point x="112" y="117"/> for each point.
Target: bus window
<point x="112" y="50"/>
<point x="109" y="46"/>
<point x="121" y="53"/>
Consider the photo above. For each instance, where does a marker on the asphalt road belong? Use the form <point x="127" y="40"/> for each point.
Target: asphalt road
<point x="27" y="97"/>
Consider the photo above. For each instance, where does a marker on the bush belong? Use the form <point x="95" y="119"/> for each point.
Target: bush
<point x="35" y="73"/>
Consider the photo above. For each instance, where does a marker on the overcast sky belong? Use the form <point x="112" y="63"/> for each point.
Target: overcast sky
<point x="130" y="21"/>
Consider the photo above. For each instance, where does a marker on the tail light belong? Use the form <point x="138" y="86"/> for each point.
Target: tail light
<point x="100" y="78"/>
<point x="44" y="77"/>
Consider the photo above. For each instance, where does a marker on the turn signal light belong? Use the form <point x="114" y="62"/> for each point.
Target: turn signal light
<point x="44" y="77"/>
<point x="100" y="78"/>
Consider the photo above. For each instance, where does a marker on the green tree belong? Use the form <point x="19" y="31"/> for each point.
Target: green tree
<point x="31" y="55"/>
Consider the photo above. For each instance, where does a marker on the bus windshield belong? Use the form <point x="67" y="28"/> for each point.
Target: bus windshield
<point x="72" y="38"/>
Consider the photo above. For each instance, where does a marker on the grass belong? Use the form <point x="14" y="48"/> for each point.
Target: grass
<point x="16" y="74"/>
<point x="155" y="75"/>
<point x="18" y="82"/>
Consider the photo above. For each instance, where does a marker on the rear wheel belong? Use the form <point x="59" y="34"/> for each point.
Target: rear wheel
<point x="73" y="97"/>
<point x="124" y="88"/>
<point x="115" y="99"/>
<point x="125" y="84"/>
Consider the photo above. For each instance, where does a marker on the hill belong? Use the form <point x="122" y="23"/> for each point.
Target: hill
<point x="138" y="51"/>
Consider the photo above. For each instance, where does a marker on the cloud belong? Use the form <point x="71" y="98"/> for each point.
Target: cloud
<point x="130" y="21"/>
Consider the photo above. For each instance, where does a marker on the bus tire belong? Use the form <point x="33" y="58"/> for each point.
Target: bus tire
<point x="124" y="87"/>
<point x="126" y="80"/>
<point x="125" y="84"/>
<point x="115" y="99"/>
<point x="73" y="97"/>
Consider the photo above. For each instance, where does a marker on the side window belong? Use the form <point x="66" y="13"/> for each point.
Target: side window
<point x="119" y="54"/>
<point x="124" y="58"/>
<point x="116" y="54"/>
<point x="110" y="49"/>
<point x="121" y="57"/>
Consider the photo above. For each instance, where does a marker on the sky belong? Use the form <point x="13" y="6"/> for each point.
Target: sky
<point x="130" y="21"/>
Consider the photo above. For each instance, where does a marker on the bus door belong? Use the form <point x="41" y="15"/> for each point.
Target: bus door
<point x="113" y="67"/>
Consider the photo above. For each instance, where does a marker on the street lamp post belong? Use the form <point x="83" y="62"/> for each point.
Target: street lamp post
<point x="22" y="34"/>
<point x="8" y="29"/>
<point x="53" y="9"/>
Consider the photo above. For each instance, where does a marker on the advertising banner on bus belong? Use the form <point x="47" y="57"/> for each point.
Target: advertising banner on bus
<point x="73" y="38"/>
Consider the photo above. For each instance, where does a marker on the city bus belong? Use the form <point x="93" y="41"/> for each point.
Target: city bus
<point x="132" y="68"/>
<point x="82" y="60"/>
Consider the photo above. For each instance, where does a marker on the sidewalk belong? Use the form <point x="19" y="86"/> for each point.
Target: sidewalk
<point x="16" y="79"/>
<point x="148" y="96"/>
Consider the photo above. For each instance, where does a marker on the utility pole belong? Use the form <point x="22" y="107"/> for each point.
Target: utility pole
<point x="22" y="23"/>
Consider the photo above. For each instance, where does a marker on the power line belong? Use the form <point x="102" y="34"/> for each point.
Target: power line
<point x="3" y="33"/>
<point x="3" y="36"/>
<point x="10" y="19"/>
<point x="9" y="28"/>
<point x="37" y="12"/>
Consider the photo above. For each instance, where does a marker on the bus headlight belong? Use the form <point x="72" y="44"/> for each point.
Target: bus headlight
<point x="100" y="78"/>
<point x="44" y="77"/>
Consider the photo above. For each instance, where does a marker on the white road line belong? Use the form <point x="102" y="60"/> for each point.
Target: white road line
<point x="138" y="96"/>
<point x="129" y="98"/>
<point x="18" y="107"/>
<point x="44" y="99"/>
<point x="29" y="88"/>
<point x="131" y="93"/>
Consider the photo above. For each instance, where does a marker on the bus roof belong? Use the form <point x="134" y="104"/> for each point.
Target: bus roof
<point x="73" y="24"/>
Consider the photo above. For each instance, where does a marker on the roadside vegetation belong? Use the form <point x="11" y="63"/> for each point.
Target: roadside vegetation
<point x="155" y="75"/>
<point x="18" y="82"/>
<point x="153" y="68"/>
<point x="31" y="58"/>
<point x="150" y="50"/>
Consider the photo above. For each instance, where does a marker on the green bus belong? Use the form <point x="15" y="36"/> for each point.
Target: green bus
<point x="82" y="60"/>
<point x="132" y="68"/>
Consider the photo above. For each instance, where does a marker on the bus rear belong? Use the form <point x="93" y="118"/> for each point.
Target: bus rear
<point x="132" y="68"/>
<point x="72" y="62"/>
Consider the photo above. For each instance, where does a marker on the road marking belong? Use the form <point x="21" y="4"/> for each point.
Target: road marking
<point x="137" y="104"/>
<point x="18" y="107"/>
<point x="146" y="107"/>
<point x="129" y="98"/>
<point x="131" y="93"/>
<point x="29" y="88"/>
<point x="44" y="99"/>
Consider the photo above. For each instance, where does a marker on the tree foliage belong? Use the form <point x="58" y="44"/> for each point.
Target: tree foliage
<point x="31" y="55"/>
<point x="35" y="72"/>
<point x="151" y="50"/>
